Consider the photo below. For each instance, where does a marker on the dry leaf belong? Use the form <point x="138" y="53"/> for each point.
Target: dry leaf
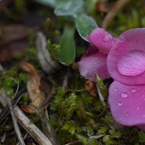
<point x="12" y="32"/>
<point x="5" y="53"/>
<point x="90" y="86"/>
<point x="29" y="68"/>
<point x="11" y="41"/>
<point x="28" y="108"/>
<point x="33" y="86"/>
<point x="44" y="56"/>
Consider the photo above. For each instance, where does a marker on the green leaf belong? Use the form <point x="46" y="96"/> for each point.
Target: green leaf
<point x="108" y="140"/>
<point x="51" y="3"/>
<point x="10" y="81"/>
<point x="70" y="127"/>
<point x="92" y="141"/>
<point x="54" y="50"/>
<point x="9" y="91"/>
<point x="67" y="47"/>
<point x="114" y="134"/>
<point x="103" y="130"/>
<point x="141" y="135"/>
<point x="101" y="86"/>
<point x="71" y="7"/>
<point x="82" y="138"/>
<point x="23" y="76"/>
<point x="85" y="25"/>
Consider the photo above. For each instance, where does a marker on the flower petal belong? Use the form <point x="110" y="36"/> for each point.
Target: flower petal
<point x="92" y="63"/>
<point x="132" y="63"/>
<point x="127" y="49"/>
<point x="127" y="104"/>
<point x="101" y="39"/>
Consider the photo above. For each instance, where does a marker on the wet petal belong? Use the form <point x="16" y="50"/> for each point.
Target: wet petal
<point x="132" y="63"/>
<point x="127" y="104"/>
<point x="101" y="39"/>
<point x="92" y="63"/>
<point x="125" y="62"/>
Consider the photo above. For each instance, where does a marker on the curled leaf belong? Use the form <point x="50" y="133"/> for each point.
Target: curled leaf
<point x="90" y="86"/>
<point x="44" y="56"/>
<point x="33" y="86"/>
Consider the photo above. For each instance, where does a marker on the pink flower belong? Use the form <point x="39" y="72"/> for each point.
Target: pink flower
<point x="127" y="104"/>
<point x="125" y="59"/>
<point x="102" y="40"/>
<point x="126" y="65"/>
<point x="93" y="62"/>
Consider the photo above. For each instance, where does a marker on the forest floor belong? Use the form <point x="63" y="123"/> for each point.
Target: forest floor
<point x="43" y="98"/>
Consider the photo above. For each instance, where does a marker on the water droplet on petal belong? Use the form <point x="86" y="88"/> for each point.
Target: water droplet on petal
<point x="137" y="108"/>
<point x="143" y="115"/>
<point x="127" y="114"/>
<point x="133" y="90"/>
<point x="119" y="103"/>
<point x="115" y="89"/>
<point x="105" y="51"/>
<point x="124" y="95"/>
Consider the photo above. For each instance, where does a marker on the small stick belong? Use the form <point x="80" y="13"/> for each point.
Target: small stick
<point x="65" y="81"/>
<point x="5" y="112"/>
<point x="3" y="138"/>
<point x="32" y="129"/>
<point x="15" y="123"/>
<point x="113" y="12"/>
<point x="17" y="130"/>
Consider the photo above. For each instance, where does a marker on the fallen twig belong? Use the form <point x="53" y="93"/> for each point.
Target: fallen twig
<point x="65" y="81"/>
<point x="113" y="12"/>
<point x="32" y="129"/>
<point x="16" y="126"/>
<point x="5" y="112"/>
<point x="3" y="138"/>
<point x="15" y="123"/>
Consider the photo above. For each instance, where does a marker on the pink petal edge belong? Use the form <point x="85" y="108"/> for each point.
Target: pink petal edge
<point x="93" y="63"/>
<point x="101" y="39"/>
<point x="127" y="104"/>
